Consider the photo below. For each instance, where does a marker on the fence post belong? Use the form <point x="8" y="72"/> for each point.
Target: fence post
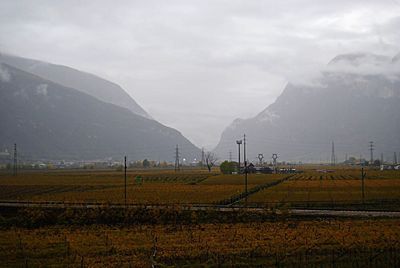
<point x="370" y="258"/>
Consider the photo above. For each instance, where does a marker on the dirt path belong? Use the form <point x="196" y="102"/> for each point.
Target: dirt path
<point x="199" y="207"/>
<point x="239" y="197"/>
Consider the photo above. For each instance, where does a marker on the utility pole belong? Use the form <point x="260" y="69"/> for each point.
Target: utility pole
<point x="333" y="156"/>
<point x="371" y="148"/>
<point x="125" y="177"/>
<point x="363" y="174"/>
<point x="15" y="167"/>
<point x="245" y="165"/>
<point x="239" y="142"/>
<point x="230" y="156"/>
<point x="381" y="158"/>
<point x="260" y="158"/>
<point x="177" y="166"/>
<point x="394" y="158"/>
<point x="202" y="157"/>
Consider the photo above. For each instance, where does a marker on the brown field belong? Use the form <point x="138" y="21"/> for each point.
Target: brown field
<point x="102" y="186"/>
<point x="200" y="186"/>
<point x="321" y="243"/>
<point x="340" y="186"/>
<point x="170" y="237"/>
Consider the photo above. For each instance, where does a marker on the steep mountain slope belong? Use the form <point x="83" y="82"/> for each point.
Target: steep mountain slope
<point x="51" y="121"/>
<point x="350" y="107"/>
<point x="88" y="83"/>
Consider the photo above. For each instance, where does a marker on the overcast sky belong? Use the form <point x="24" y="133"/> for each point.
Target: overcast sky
<point x="198" y="65"/>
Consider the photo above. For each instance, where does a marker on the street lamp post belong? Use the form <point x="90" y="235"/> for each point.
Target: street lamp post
<point x="239" y="142"/>
<point x="125" y="179"/>
<point x="274" y="157"/>
<point x="245" y="166"/>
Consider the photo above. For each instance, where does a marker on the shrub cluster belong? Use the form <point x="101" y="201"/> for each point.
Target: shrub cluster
<point x="37" y="217"/>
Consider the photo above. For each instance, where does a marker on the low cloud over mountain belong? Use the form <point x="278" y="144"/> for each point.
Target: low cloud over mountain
<point x="353" y="101"/>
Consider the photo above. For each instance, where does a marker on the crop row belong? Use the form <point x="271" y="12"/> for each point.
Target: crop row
<point x="273" y="243"/>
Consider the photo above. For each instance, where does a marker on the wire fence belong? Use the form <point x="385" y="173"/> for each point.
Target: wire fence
<point x="61" y="253"/>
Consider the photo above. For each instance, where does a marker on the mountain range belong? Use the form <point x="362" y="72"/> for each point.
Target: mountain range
<point x="56" y="112"/>
<point x="355" y="100"/>
<point x="93" y="85"/>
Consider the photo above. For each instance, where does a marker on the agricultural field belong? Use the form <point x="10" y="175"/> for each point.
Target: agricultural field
<point x="312" y="188"/>
<point x="170" y="236"/>
<point x="290" y="243"/>
<point x="339" y="188"/>
<point x="154" y="187"/>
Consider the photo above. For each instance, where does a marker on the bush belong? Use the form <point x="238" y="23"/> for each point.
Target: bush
<point x="227" y="167"/>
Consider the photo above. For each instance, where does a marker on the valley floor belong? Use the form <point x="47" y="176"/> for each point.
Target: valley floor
<point x="166" y="235"/>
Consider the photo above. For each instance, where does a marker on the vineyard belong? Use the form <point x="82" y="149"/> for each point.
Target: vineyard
<point x="339" y="189"/>
<point x="158" y="231"/>
<point x="316" y="243"/>
<point x="108" y="187"/>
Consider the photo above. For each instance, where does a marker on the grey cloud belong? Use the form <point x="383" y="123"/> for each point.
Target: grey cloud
<point x="366" y="64"/>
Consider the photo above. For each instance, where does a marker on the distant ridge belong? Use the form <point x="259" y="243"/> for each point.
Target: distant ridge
<point x="350" y="106"/>
<point x="93" y="85"/>
<point x="50" y="121"/>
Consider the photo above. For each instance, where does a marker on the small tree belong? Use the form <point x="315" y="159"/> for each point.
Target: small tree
<point x="146" y="163"/>
<point x="211" y="159"/>
<point x="228" y="167"/>
<point x="352" y="160"/>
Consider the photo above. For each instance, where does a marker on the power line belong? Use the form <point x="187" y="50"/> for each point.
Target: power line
<point x="202" y="157"/>
<point x="177" y="166"/>
<point x="125" y="178"/>
<point x="15" y="167"/>
<point x="371" y="148"/>
<point x="333" y="156"/>
<point x="260" y="158"/>
<point x="244" y="150"/>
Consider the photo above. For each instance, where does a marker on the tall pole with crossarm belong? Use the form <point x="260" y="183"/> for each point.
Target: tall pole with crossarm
<point x="239" y="142"/>
<point x="15" y="166"/>
<point x="125" y="178"/>
<point x="245" y="166"/>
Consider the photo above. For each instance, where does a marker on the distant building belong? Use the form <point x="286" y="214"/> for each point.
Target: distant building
<point x="253" y="169"/>
<point x="390" y="167"/>
<point x="5" y="157"/>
